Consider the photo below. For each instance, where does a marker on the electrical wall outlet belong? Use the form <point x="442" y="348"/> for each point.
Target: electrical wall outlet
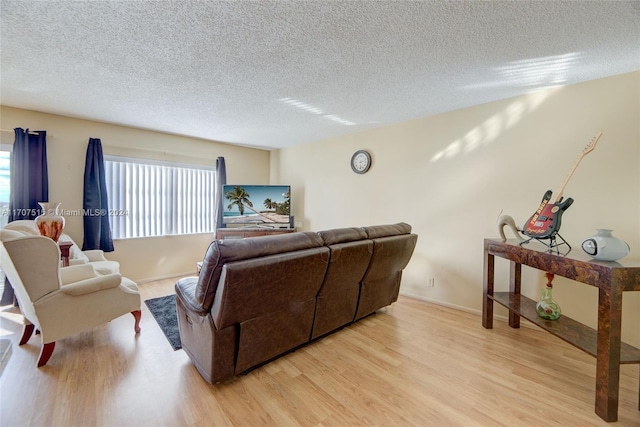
<point x="432" y="282"/>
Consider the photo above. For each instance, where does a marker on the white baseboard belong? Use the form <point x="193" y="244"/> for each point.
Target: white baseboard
<point x="169" y="276"/>
<point x="406" y="294"/>
<point x="442" y="303"/>
<point x="501" y="318"/>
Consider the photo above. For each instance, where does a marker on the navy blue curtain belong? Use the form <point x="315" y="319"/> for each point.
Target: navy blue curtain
<point x="29" y="174"/>
<point x="221" y="180"/>
<point x="97" y="230"/>
<point x="29" y="183"/>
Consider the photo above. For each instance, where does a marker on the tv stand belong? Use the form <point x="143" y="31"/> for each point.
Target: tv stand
<point x="253" y="231"/>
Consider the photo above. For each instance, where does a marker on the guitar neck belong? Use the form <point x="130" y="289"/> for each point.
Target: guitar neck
<point x="557" y="195"/>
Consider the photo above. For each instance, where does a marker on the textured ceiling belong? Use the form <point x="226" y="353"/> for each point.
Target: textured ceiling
<point x="277" y="73"/>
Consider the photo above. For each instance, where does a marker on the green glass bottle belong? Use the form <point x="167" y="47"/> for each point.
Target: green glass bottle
<point x="546" y="307"/>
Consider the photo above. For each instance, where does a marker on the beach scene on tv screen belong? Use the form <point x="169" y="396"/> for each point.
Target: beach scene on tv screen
<point x="256" y="204"/>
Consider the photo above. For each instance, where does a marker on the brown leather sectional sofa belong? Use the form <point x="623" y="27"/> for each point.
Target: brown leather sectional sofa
<point x="258" y="298"/>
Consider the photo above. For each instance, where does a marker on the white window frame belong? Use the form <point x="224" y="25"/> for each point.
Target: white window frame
<point x="149" y="198"/>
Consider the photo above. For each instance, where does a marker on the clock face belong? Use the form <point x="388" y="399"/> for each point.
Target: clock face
<point x="360" y="161"/>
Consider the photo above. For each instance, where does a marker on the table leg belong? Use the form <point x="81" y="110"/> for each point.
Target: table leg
<point x="608" y="357"/>
<point x="64" y="252"/>
<point x="487" y="291"/>
<point x="515" y="275"/>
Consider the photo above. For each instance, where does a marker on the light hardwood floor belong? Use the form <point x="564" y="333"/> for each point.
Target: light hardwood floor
<point x="413" y="363"/>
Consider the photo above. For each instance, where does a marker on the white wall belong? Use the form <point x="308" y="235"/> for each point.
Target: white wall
<point x="67" y="139"/>
<point x="450" y="175"/>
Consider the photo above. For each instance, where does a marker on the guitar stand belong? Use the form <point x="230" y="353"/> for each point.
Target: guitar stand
<point x="552" y="245"/>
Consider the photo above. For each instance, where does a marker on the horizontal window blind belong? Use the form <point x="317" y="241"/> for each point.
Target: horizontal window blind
<point x="147" y="199"/>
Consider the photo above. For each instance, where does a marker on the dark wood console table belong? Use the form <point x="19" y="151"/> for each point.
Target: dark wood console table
<point x="241" y="233"/>
<point x="64" y="252"/>
<point x="611" y="279"/>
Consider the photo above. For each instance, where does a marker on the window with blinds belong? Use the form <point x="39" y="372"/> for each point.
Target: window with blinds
<point x="149" y="198"/>
<point x="5" y="186"/>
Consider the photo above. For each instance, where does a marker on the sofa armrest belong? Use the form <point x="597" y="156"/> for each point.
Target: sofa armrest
<point x="95" y="284"/>
<point x="76" y="273"/>
<point x="186" y="291"/>
<point x="95" y="255"/>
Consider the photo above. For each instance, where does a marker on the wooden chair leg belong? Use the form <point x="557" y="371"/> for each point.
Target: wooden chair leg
<point x="27" y="331"/>
<point x="45" y="353"/>
<point x="137" y="315"/>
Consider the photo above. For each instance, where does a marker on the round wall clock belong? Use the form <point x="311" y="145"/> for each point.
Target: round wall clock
<point x="361" y="161"/>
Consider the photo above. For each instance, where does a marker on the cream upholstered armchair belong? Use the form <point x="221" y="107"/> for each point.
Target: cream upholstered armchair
<point x="94" y="257"/>
<point x="57" y="301"/>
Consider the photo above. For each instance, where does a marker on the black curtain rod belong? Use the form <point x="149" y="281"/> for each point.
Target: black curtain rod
<point x="31" y="132"/>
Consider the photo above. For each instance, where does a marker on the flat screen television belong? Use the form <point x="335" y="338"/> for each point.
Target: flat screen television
<point x="256" y="205"/>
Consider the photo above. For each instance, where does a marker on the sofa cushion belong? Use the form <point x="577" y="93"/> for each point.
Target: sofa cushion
<point x="376" y="231"/>
<point x="6" y="235"/>
<point x="381" y="283"/>
<point x="342" y="235"/>
<point x="221" y="252"/>
<point x="25" y="226"/>
<point x="337" y="299"/>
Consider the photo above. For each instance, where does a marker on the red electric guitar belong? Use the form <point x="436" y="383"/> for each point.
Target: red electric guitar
<point x="546" y="221"/>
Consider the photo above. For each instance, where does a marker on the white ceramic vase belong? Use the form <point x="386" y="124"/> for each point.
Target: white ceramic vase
<point x="604" y="246"/>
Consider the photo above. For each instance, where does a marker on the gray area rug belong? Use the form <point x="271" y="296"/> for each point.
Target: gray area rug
<point x="163" y="310"/>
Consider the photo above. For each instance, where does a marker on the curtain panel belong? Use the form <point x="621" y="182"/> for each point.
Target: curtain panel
<point x="29" y="183"/>
<point x="221" y="180"/>
<point x="29" y="174"/>
<point x="97" y="230"/>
